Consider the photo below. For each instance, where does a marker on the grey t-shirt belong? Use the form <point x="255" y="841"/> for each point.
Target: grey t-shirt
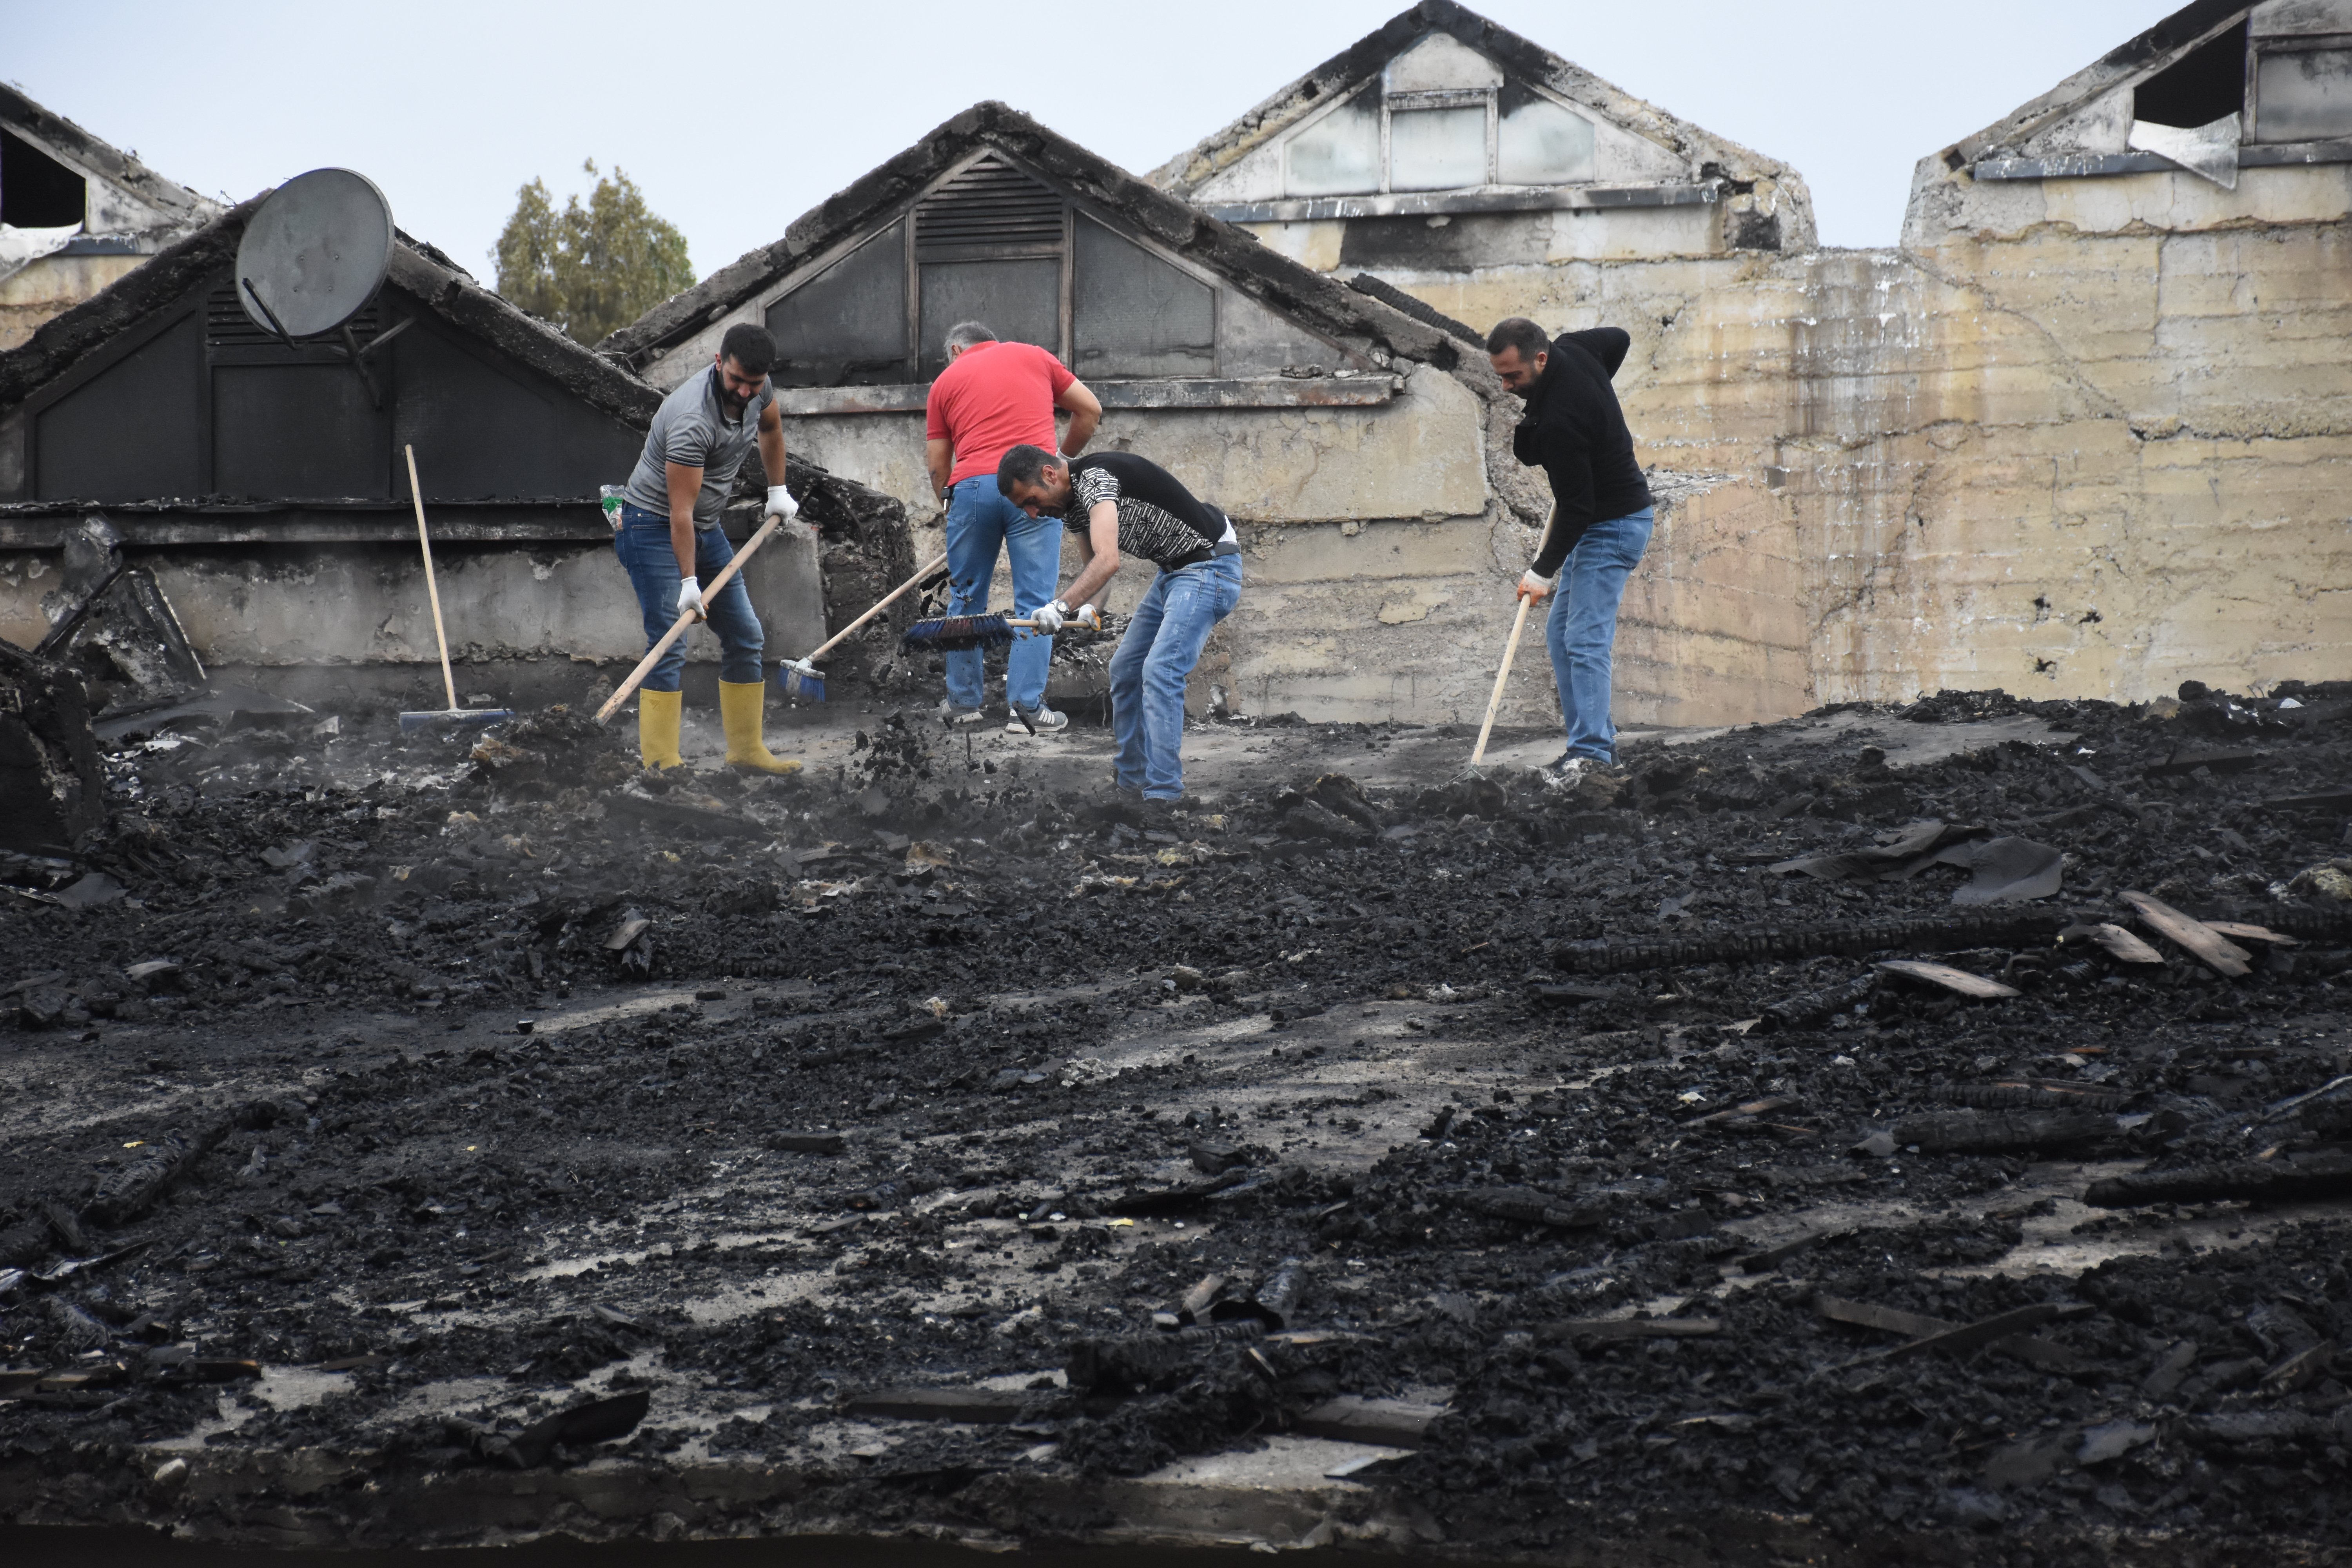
<point x="691" y="428"/>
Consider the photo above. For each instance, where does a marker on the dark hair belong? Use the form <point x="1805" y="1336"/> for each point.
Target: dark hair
<point x="749" y="346"/>
<point x="1518" y="332"/>
<point x="1022" y="466"/>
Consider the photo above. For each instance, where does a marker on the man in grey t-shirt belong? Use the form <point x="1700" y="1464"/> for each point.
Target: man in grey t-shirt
<point x="670" y="542"/>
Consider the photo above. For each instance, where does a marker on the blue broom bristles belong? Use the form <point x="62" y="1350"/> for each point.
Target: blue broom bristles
<point x="955" y="633"/>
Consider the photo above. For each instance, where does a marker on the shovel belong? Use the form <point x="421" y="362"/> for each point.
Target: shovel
<point x="1510" y="649"/>
<point x="686" y="618"/>
<point x="802" y="681"/>
<point x="453" y="714"/>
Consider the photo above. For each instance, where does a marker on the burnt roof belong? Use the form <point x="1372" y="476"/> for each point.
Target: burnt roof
<point x="418" y="270"/>
<point x="61" y="137"/>
<point x="2141" y="55"/>
<point x="1311" y="298"/>
<point x="1364" y="59"/>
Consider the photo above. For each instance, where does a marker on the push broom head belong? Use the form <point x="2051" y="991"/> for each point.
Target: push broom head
<point x="801" y="680"/>
<point x="950" y="634"/>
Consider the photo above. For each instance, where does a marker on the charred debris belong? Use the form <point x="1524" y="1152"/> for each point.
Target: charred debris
<point x="1815" y="1123"/>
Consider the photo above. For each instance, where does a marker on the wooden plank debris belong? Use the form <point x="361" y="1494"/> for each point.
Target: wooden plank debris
<point x="2243" y="931"/>
<point x="1390" y="1422"/>
<point x="2193" y="936"/>
<point x="1627" y="1328"/>
<point x="978" y="1407"/>
<point x="2123" y="946"/>
<point x="1959" y="981"/>
<point x="1985" y="1330"/>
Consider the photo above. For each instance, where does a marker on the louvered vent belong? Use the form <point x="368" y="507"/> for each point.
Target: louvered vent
<point x="227" y="326"/>
<point x="990" y="206"/>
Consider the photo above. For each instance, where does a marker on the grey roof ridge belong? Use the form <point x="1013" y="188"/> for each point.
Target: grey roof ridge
<point x="102" y="157"/>
<point x="2150" y="50"/>
<point x="1319" y="300"/>
<point x="419" y="269"/>
<point x="1364" y="58"/>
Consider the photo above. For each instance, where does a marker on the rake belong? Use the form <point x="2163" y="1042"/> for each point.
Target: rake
<point x="802" y="681"/>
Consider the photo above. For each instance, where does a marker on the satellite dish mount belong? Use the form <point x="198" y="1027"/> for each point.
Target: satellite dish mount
<point x="312" y="258"/>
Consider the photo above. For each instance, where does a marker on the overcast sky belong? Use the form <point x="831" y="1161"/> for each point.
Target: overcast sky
<point x="736" y="119"/>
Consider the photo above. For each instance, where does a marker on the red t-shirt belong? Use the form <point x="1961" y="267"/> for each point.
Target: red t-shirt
<point x="994" y="397"/>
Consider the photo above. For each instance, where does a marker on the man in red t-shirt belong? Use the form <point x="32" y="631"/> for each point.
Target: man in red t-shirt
<point x="994" y="396"/>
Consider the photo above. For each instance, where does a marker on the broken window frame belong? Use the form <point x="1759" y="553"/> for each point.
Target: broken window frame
<point x="2270" y="45"/>
<point x="1419" y="100"/>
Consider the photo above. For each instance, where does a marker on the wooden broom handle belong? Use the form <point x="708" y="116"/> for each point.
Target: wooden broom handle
<point x="830" y="643"/>
<point x="685" y="618"/>
<point x="1510" y="648"/>
<point x="1518" y="625"/>
<point x="425" y="540"/>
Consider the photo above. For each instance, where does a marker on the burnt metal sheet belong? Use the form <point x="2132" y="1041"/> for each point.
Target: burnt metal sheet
<point x="848" y="323"/>
<point x="133" y="430"/>
<point x="297" y="432"/>
<point x="1019" y="298"/>
<point x="486" y="426"/>
<point x="1133" y="314"/>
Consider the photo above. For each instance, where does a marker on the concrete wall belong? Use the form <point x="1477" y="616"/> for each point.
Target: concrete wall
<point x="51" y="286"/>
<point x="322" y="608"/>
<point x="1371" y="543"/>
<point x="2085" y="437"/>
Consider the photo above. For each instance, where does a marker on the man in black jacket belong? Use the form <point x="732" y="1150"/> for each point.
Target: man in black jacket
<point x="1601" y="518"/>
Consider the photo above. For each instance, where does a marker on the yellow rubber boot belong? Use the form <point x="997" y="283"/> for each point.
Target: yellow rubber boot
<point x="742" y="705"/>
<point x="658" y="715"/>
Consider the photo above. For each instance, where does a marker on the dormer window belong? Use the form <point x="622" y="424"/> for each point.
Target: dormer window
<point x="1441" y="118"/>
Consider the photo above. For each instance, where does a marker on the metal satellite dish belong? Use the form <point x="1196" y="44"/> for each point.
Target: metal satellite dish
<point x="315" y="254"/>
<point x="312" y="259"/>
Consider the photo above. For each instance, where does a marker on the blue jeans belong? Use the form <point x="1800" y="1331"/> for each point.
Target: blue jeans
<point x="980" y="523"/>
<point x="642" y="544"/>
<point x="1583" y="627"/>
<point x="1163" y="642"/>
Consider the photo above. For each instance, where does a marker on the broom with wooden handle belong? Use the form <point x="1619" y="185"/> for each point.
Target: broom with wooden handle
<point x="453" y="714"/>
<point x="804" y="682"/>
<point x="685" y="618"/>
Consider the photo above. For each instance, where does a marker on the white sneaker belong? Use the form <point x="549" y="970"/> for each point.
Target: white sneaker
<point x="1564" y="771"/>
<point x="1041" y="720"/>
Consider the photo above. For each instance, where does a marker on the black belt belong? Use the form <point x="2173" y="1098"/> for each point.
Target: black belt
<point x="1225" y="547"/>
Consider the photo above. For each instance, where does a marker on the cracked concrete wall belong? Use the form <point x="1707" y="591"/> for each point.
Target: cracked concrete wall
<point x="2087" y="437"/>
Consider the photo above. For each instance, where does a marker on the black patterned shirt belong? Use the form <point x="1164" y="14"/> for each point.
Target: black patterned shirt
<point x="1159" y="519"/>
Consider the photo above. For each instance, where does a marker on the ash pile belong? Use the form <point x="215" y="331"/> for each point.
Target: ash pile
<point x="1893" y="1129"/>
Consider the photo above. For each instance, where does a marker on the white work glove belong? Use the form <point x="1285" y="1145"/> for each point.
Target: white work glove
<point x="1086" y="616"/>
<point x="1050" y="618"/>
<point x="690" y="597"/>
<point x="1534" y="589"/>
<point x="781" y="504"/>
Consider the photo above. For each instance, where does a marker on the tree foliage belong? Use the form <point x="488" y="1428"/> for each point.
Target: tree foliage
<point x="592" y="268"/>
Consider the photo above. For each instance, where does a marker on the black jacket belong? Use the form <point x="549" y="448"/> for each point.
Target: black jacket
<point x="1575" y="432"/>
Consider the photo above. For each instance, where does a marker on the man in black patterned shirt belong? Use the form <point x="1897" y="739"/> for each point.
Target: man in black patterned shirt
<point x="1113" y="503"/>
